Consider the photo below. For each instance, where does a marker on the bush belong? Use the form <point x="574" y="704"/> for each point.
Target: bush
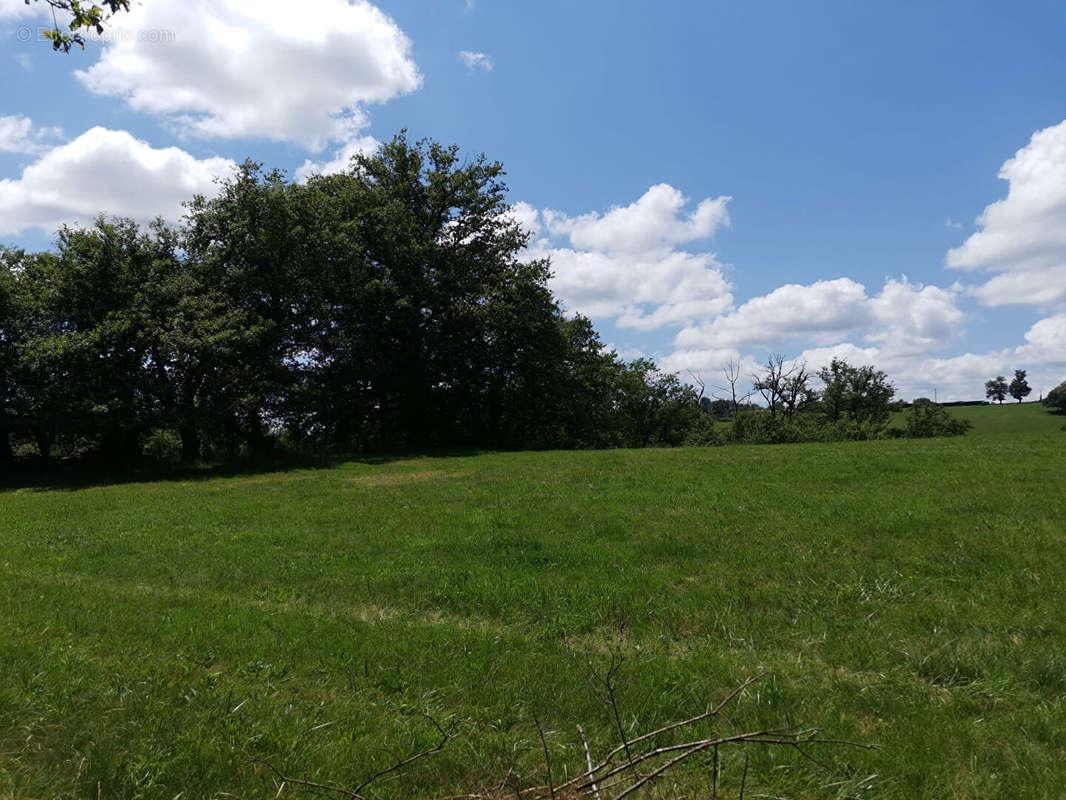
<point x="1056" y="399"/>
<point x="755" y="427"/>
<point x="705" y="433"/>
<point x="926" y="420"/>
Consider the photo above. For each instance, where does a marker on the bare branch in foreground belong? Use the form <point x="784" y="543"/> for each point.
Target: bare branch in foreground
<point x="613" y="778"/>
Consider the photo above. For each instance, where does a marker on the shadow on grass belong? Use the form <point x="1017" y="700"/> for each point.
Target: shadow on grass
<point x="73" y="474"/>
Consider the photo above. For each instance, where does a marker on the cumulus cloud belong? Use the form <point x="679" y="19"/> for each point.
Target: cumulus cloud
<point x="258" y="68"/>
<point x="909" y="318"/>
<point x="626" y="264"/>
<point x="476" y="61"/>
<point x="1045" y="342"/>
<point x="654" y="223"/>
<point x="818" y="311"/>
<point x="527" y="217"/>
<point x="1023" y="236"/>
<point x="16" y="9"/>
<point x="341" y="160"/>
<point x="105" y="171"/>
<point x="903" y="318"/>
<point x="19" y="135"/>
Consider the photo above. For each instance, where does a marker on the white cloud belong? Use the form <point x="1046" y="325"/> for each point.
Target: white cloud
<point x="626" y="265"/>
<point x="1045" y="342"/>
<point x="818" y="311"/>
<point x="1023" y="236"/>
<point x="904" y="318"/>
<point x="526" y="216"/>
<point x="258" y="68"/>
<point x="475" y="61"/>
<point x="340" y="161"/>
<point x="910" y="318"/>
<point x="653" y="223"/>
<point x="18" y="135"/>
<point x="109" y="172"/>
<point x="16" y="9"/>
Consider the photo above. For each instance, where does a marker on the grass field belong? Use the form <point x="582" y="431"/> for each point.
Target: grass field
<point x="1009" y="419"/>
<point x="157" y="638"/>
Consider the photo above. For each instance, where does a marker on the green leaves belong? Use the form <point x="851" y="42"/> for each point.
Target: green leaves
<point x="79" y="16"/>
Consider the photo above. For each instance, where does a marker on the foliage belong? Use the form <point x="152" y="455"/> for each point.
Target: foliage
<point x="928" y="419"/>
<point x="82" y="16"/>
<point x="1019" y="388"/>
<point x="856" y="394"/>
<point x="384" y="308"/>
<point x="1056" y="399"/>
<point x="997" y="389"/>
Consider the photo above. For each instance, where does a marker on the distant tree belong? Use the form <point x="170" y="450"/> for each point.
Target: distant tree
<point x="856" y="394"/>
<point x="79" y="16"/>
<point x="1019" y="388"/>
<point x="720" y="408"/>
<point x="732" y="374"/>
<point x="997" y="389"/>
<point x="1056" y="399"/>
<point x="784" y="386"/>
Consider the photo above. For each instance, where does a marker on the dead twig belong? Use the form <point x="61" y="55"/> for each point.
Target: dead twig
<point x="547" y="756"/>
<point x="588" y="760"/>
<point x="354" y="794"/>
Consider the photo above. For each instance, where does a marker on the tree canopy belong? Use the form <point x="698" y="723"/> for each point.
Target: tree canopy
<point x="388" y="307"/>
<point x="997" y="389"/>
<point x="1019" y="388"/>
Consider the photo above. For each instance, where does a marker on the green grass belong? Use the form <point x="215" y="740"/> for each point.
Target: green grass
<point x="158" y="637"/>
<point x="1011" y="419"/>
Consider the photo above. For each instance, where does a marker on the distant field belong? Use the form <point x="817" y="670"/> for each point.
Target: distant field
<point x="157" y="638"/>
<point x="1011" y="419"/>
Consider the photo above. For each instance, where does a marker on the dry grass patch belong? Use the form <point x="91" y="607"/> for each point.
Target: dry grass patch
<point x="400" y="478"/>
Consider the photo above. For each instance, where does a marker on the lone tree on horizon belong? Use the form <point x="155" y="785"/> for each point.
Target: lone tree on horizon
<point x="997" y="389"/>
<point x="1019" y="388"/>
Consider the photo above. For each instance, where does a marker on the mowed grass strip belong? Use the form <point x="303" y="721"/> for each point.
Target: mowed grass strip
<point x="159" y="638"/>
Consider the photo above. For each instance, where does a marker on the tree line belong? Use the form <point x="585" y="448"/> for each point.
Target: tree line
<point x="385" y="308"/>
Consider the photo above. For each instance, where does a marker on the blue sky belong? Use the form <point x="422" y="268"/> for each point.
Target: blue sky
<point x="711" y="180"/>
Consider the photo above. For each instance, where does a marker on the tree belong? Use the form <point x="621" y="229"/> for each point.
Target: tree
<point x="731" y="373"/>
<point x="1056" y="399"/>
<point x="856" y="394"/>
<point x="426" y="328"/>
<point x="772" y="384"/>
<point x="1019" y="388"/>
<point x="9" y="334"/>
<point x="79" y="16"/>
<point x="997" y="389"/>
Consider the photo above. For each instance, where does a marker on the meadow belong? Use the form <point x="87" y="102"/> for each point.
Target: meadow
<point x="161" y="638"/>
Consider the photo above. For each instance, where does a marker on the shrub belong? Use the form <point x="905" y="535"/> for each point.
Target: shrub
<point x="926" y="420"/>
<point x="705" y="433"/>
<point x="1056" y="399"/>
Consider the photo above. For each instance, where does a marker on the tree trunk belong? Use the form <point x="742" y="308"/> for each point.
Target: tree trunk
<point x="5" y="446"/>
<point x="190" y="444"/>
<point x="44" y="444"/>
<point x="259" y="444"/>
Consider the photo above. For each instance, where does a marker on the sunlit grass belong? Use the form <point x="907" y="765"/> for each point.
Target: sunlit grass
<point x="158" y="638"/>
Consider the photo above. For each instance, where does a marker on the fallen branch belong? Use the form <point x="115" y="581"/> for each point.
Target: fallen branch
<point x="608" y="780"/>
